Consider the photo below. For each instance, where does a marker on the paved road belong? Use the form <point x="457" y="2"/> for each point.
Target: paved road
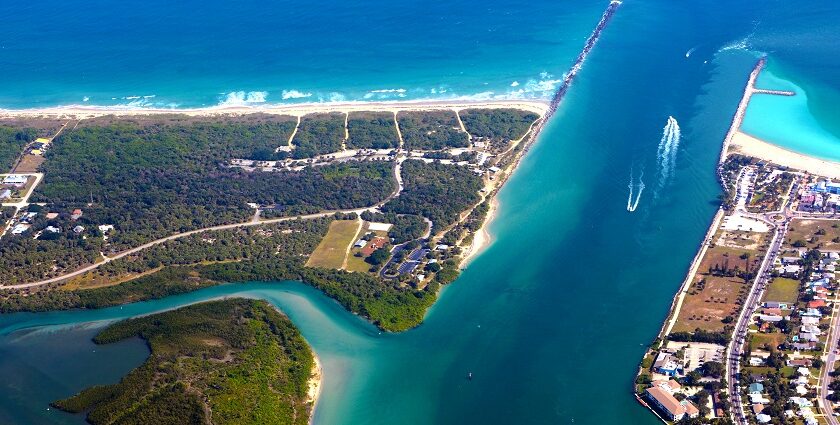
<point x="828" y="366"/>
<point x="736" y="345"/>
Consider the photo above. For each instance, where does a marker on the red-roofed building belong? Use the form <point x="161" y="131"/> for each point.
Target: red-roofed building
<point x="373" y="245"/>
<point x="816" y="303"/>
<point x="670" y="407"/>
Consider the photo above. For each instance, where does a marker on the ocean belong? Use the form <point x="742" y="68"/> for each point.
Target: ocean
<point x="552" y="319"/>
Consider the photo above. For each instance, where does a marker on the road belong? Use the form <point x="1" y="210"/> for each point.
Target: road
<point x="736" y="344"/>
<point x="828" y="365"/>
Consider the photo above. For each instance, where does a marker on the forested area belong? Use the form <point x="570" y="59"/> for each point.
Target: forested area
<point x="23" y="259"/>
<point x="264" y="253"/>
<point x="155" y="180"/>
<point x="431" y="130"/>
<point x="508" y="123"/>
<point x="372" y="130"/>
<point x="222" y="362"/>
<point x="319" y="134"/>
<point x="12" y="141"/>
<point x="439" y="192"/>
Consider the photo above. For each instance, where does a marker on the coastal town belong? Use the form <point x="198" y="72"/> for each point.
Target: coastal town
<point x="752" y="335"/>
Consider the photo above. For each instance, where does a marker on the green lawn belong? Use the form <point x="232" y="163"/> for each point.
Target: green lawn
<point x="782" y="290"/>
<point x="331" y="251"/>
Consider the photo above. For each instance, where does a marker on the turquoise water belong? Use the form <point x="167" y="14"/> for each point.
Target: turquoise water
<point x="552" y="319"/>
<point x="788" y="121"/>
<point x="803" y="56"/>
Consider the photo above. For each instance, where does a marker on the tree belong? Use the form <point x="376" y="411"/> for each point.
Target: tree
<point x="378" y="257"/>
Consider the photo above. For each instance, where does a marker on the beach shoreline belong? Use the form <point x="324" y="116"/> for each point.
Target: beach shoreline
<point x="747" y="145"/>
<point x="82" y="111"/>
<point x="315" y="384"/>
<point x="482" y="238"/>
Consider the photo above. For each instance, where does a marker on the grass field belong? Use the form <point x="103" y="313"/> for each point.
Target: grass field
<point x="707" y="304"/>
<point x="759" y="340"/>
<point x="332" y="250"/>
<point x="809" y="232"/>
<point x="782" y="290"/>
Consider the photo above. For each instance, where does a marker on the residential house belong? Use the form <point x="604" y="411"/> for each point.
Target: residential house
<point x="756" y="388"/>
<point x="16" y="180"/>
<point x="5" y="194"/>
<point x="77" y="214"/>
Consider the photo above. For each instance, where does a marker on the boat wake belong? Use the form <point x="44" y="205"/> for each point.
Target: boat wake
<point x="666" y="153"/>
<point x="631" y="204"/>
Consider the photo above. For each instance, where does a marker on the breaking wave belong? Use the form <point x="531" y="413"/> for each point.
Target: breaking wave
<point x="242" y="98"/>
<point x="294" y="94"/>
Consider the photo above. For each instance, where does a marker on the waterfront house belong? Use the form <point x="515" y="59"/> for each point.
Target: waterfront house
<point x="669" y="406"/>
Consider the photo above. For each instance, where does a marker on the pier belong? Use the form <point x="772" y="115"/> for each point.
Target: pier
<point x="774" y="92"/>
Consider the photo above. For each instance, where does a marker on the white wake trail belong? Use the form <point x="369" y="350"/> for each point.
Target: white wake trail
<point x="630" y="196"/>
<point x="638" y="194"/>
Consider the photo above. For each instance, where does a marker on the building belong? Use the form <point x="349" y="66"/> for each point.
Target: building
<point x="5" y="194"/>
<point x="756" y="388"/>
<point x="77" y="214"/>
<point x="666" y="364"/>
<point x="670" y="407"/>
<point x="16" y="180"/>
<point x="78" y="229"/>
<point x="379" y="227"/>
<point x="373" y="245"/>
<point x="360" y="243"/>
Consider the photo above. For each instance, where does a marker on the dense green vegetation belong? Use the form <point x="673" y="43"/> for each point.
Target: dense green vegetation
<point x="265" y="253"/>
<point x="406" y="227"/>
<point x="150" y="179"/>
<point x="319" y="134"/>
<point x="223" y="362"/>
<point x="439" y="192"/>
<point x="12" y="141"/>
<point x="372" y="130"/>
<point x="431" y="130"/>
<point x="510" y="124"/>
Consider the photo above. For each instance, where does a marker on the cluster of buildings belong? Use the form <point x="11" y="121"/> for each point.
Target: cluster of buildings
<point x="823" y="196"/>
<point x="672" y="400"/>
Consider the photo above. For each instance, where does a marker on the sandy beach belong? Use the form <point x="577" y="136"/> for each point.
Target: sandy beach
<point x="482" y="238"/>
<point x="745" y="144"/>
<point x="81" y="111"/>
<point x="314" y="386"/>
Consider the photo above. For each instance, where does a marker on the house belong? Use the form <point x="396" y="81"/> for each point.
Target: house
<point x="776" y="304"/>
<point x="105" y="228"/>
<point x="670" y="385"/>
<point x="78" y="229"/>
<point x="672" y="408"/>
<point x="5" y="194"/>
<point x="666" y="364"/>
<point x="799" y="362"/>
<point x="804" y="346"/>
<point x="757" y="408"/>
<point x="790" y="260"/>
<point x="770" y="318"/>
<point x="816" y="303"/>
<point x="772" y="311"/>
<point x="756" y="388"/>
<point x="77" y="214"/>
<point x="16" y="180"/>
<point x="52" y="229"/>
<point x="758" y="399"/>
<point x="441" y="247"/>
<point x="757" y="377"/>
<point x="805" y="336"/>
<point x="360" y="243"/>
<point x="52" y="215"/>
<point x="762" y="418"/>
<point x="20" y="228"/>
<point x="813" y="312"/>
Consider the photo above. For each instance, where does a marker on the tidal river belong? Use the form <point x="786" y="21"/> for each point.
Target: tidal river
<point x="551" y="320"/>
